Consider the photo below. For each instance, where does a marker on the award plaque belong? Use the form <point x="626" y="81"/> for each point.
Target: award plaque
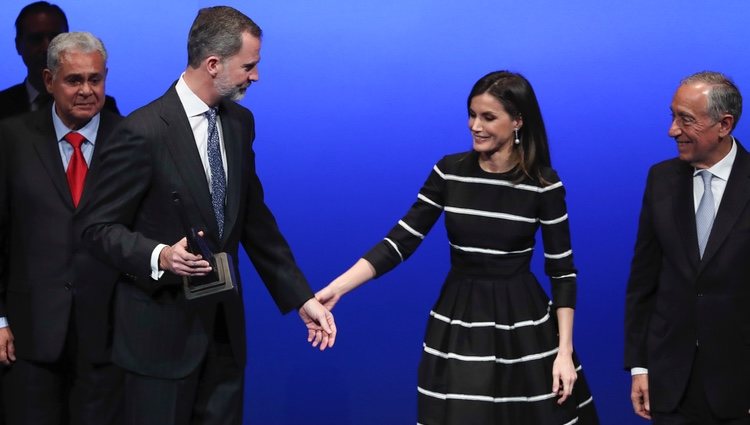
<point x="220" y="278"/>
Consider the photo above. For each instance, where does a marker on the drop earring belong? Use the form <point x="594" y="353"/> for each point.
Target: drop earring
<point x="517" y="141"/>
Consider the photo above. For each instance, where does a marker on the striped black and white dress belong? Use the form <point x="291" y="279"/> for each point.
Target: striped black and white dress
<point x="491" y="338"/>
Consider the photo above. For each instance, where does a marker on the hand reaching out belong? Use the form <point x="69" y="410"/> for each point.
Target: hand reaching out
<point x="321" y="328"/>
<point x="328" y="297"/>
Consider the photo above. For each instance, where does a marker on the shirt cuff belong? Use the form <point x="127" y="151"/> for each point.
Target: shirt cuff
<point x="155" y="272"/>
<point x="3" y="322"/>
<point x="638" y="371"/>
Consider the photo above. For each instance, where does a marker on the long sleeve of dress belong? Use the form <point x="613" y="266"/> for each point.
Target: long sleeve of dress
<point x="558" y="253"/>
<point x="409" y="232"/>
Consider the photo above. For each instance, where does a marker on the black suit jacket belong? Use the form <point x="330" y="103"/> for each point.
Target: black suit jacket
<point x="15" y="101"/>
<point x="44" y="269"/>
<point x="676" y="300"/>
<point x="157" y="331"/>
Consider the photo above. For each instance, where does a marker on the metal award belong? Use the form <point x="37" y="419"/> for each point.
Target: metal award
<point x="221" y="276"/>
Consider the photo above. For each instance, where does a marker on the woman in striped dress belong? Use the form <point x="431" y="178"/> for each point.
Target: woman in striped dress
<point x="496" y="349"/>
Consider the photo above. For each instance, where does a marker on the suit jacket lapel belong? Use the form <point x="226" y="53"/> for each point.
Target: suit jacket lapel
<point x="733" y="202"/>
<point x="107" y="125"/>
<point x="233" y="139"/>
<point x="183" y="148"/>
<point x="684" y="212"/>
<point x="49" y="152"/>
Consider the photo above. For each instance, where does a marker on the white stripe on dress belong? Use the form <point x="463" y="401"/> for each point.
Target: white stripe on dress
<point x="490" y="214"/>
<point x="429" y="201"/>
<point x="410" y="229"/>
<point x="393" y="244"/>
<point x="494" y="182"/>
<point x="554" y="220"/>
<point x="496" y="325"/>
<point x="558" y="256"/>
<point x="589" y="400"/>
<point x="460" y="357"/>
<point x="489" y="251"/>
<point x="564" y="276"/>
<point x="472" y="397"/>
<point x="573" y="421"/>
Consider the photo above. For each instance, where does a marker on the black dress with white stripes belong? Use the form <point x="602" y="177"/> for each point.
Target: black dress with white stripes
<point x="492" y="335"/>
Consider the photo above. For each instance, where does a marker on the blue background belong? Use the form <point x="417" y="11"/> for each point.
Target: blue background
<point x="358" y="99"/>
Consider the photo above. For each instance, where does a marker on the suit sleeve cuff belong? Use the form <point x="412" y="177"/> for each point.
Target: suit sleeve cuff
<point x="638" y="371"/>
<point x="155" y="272"/>
<point x="3" y="322"/>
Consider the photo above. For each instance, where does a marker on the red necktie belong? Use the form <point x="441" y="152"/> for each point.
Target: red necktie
<point x="76" y="166"/>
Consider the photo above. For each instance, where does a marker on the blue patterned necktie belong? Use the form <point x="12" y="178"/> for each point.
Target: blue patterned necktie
<point x="218" y="179"/>
<point x="704" y="216"/>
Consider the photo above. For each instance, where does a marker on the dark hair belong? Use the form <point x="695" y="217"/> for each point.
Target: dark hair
<point x="39" y="7"/>
<point x="723" y="97"/>
<point x="218" y="31"/>
<point x="514" y="92"/>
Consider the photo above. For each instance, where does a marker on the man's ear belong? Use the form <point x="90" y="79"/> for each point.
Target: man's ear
<point x="213" y="65"/>
<point x="47" y="77"/>
<point x="725" y="125"/>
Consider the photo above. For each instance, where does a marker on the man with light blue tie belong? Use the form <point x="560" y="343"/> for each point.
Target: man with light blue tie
<point x="55" y="298"/>
<point x="687" y="330"/>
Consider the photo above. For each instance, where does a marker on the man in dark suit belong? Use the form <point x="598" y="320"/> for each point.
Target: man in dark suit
<point x="184" y="359"/>
<point x="55" y="298"/>
<point x="36" y="25"/>
<point x="687" y="330"/>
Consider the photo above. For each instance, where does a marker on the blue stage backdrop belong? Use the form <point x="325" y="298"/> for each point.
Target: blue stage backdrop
<point x="358" y="99"/>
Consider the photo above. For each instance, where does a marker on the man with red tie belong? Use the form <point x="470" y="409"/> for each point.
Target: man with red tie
<point x="55" y="299"/>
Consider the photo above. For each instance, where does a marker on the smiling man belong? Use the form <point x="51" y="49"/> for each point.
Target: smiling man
<point x="184" y="359"/>
<point x="55" y="327"/>
<point x="686" y="323"/>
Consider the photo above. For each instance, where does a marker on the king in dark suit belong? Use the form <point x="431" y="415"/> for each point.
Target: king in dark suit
<point x="687" y="330"/>
<point x="184" y="359"/>
<point x="55" y="298"/>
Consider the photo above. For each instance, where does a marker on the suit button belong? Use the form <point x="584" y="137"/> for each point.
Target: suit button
<point x="68" y="285"/>
<point x="700" y="294"/>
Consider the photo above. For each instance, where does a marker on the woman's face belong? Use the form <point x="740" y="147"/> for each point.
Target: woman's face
<point x="491" y="126"/>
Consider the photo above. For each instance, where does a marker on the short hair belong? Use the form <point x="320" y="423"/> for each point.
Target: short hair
<point x="83" y="42"/>
<point x="515" y="94"/>
<point x="35" y="8"/>
<point x="218" y="31"/>
<point x="723" y="97"/>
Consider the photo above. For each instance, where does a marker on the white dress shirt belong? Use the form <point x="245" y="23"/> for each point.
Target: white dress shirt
<point x="194" y="109"/>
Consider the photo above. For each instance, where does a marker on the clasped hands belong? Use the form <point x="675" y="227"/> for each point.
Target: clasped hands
<point x="321" y="328"/>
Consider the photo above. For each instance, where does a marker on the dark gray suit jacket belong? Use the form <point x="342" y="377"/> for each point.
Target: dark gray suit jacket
<point x="153" y="154"/>
<point x="43" y="265"/>
<point x="675" y="299"/>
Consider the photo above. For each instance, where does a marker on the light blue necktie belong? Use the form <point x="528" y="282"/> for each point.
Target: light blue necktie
<point x="218" y="179"/>
<point x="704" y="216"/>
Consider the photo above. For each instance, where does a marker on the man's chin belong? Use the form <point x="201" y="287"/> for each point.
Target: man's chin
<point x="238" y="95"/>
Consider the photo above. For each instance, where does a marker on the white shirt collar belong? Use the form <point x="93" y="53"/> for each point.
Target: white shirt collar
<point x="193" y="105"/>
<point x="88" y="131"/>
<point x="723" y="168"/>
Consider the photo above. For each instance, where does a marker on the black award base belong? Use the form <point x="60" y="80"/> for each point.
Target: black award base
<point x="221" y="280"/>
